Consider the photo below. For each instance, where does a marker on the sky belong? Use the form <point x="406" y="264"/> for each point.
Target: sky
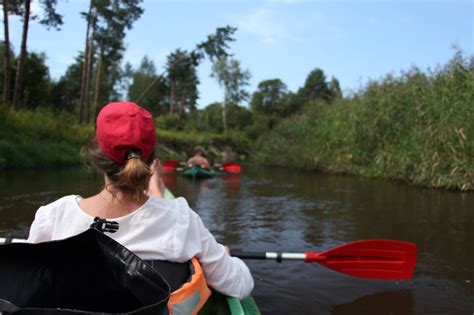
<point x="352" y="40"/>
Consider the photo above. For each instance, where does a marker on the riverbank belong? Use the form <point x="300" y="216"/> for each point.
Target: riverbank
<point x="35" y="139"/>
<point x="417" y="128"/>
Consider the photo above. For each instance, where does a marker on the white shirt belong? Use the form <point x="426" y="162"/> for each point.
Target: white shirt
<point x="164" y="229"/>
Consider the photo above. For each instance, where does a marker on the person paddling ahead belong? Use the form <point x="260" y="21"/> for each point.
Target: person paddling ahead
<point x="199" y="158"/>
<point x="152" y="227"/>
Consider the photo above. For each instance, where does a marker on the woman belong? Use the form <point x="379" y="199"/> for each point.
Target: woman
<point x="151" y="227"/>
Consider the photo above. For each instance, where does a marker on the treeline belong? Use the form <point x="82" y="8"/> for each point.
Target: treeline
<point x="99" y="75"/>
<point x="270" y="104"/>
<point x="417" y="127"/>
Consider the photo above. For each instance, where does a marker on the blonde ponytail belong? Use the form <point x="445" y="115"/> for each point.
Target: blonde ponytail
<point x="134" y="177"/>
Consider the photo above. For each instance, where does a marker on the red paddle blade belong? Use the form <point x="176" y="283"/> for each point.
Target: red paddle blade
<point x="232" y="168"/>
<point x="171" y="163"/>
<point x="373" y="259"/>
<point x="167" y="169"/>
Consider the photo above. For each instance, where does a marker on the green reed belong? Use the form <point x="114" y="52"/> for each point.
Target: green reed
<point x="417" y="127"/>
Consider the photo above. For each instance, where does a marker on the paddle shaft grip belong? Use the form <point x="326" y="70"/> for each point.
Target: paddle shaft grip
<point x="248" y="255"/>
<point x="278" y="256"/>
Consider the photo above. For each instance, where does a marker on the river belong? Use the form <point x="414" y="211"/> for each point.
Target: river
<point x="269" y="209"/>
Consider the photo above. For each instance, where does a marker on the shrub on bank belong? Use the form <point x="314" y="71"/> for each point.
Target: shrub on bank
<point x="418" y="127"/>
<point x="39" y="138"/>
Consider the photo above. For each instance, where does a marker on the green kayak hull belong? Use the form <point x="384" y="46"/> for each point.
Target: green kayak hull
<point x="219" y="304"/>
<point x="198" y="172"/>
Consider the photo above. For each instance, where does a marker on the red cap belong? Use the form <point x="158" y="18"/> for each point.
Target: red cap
<point x="124" y="126"/>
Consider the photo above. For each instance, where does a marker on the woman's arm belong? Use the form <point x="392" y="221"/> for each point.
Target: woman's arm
<point x="40" y="230"/>
<point x="156" y="186"/>
<point x="226" y="274"/>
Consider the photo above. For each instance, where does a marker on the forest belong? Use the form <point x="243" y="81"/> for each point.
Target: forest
<point x="416" y="127"/>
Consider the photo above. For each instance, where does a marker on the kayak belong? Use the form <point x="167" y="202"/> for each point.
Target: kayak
<point x="217" y="303"/>
<point x="198" y="172"/>
<point x="221" y="304"/>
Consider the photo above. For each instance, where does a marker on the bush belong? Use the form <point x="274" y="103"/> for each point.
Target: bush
<point x="418" y="127"/>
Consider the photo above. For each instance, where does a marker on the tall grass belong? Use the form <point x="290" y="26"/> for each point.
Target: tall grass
<point x="38" y="138"/>
<point x="178" y="144"/>
<point x="417" y="127"/>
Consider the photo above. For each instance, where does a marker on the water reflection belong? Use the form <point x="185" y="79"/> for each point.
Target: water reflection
<point x="380" y="303"/>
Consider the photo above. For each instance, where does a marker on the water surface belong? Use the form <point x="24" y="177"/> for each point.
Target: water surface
<point x="273" y="209"/>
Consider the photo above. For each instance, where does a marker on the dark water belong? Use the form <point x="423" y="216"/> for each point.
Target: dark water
<point x="281" y="210"/>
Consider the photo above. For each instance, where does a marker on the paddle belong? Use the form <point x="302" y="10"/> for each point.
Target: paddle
<point x="172" y="163"/>
<point x="372" y="259"/>
<point x="232" y="168"/>
<point x="170" y="166"/>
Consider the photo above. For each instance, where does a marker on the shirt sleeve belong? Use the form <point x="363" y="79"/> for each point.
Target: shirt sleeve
<point x="40" y="230"/>
<point x="226" y="274"/>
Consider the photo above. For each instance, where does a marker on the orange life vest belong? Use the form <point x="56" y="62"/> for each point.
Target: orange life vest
<point x="192" y="295"/>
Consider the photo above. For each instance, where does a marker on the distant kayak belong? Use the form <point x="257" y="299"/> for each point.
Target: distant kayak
<point x="198" y="172"/>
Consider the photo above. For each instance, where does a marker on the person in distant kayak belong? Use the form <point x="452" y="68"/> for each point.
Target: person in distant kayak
<point x="199" y="158"/>
<point x="152" y="227"/>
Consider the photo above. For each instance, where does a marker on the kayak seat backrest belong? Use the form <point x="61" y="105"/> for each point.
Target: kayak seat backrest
<point x="88" y="272"/>
<point x="176" y="274"/>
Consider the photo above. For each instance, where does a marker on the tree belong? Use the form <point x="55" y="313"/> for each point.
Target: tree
<point x="215" y="47"/>
<point x="91" y="18"/>
<point x="335" y="88"/>
<point x="183" y="81"/>
<point x="67" y="91"/>
<point x="22" y="58"/>
<point x="10" y="68"/>
<point x="157" y="100"/>
<point x="232" y="78"/>
<point x="37" y="89"/>
<point x="269" y="97"/>
<point x="10" y="7"/>
<point x="316" y="87"/>
<point x="126" y="76"/>
<point x="50" y="19"/>
<point x="107" y="21"/>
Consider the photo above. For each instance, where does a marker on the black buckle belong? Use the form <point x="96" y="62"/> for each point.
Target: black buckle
<point x="105" y="226"/>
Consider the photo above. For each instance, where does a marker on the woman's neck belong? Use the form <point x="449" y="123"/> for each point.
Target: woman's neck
<point x="109" y="204"/>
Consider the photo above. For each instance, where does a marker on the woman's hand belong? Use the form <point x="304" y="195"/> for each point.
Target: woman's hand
<point x="156" y="186"/>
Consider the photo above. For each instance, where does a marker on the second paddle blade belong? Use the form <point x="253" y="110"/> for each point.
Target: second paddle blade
<point x="373" y="259"/>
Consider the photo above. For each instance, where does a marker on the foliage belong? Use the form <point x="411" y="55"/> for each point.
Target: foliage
<point x="114" y="17"/>
<point x="67" y="90"/>
<point x="316" y="87"/>
<point x="238" y="118"/>
<point x="37" y="87"/>
<point x="418" y="128"/>
<point x="183" y="81"/>
<point x="182" y="142"/>
<point x="39" y="138"/>
<point x="269" y="97"/>
<point x="157" y="99"/>
<point x="232" y="78"/>
<point x="51" y="18"/>
<point x="216" y="45"/>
